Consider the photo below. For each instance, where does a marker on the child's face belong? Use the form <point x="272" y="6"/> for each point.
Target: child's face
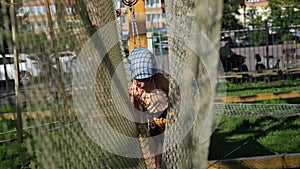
<point x="142" y="83"/>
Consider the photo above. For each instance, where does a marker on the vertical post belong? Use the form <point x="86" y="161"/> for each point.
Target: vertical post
<point x="244" y="7"/>
<point x="54" y="49"/>
<point x="139" y="10"/>
<point x="267" y="43"/>
<point x="50" y="23"/>
<point x="150" y="41"/>
<point x="16" y="69"/>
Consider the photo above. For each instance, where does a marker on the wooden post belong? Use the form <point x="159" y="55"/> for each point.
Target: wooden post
<point x="267" y="43"/>
<point x="16" y="69"/>
<point x="289" y="54"/>
<point x="60" y="86"/>
<point x="140" y="14"/>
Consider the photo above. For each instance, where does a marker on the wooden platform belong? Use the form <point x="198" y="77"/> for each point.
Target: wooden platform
<point x="253" y="75"/>
<point x="258" y="97"/>
<point x="269" y="162"/>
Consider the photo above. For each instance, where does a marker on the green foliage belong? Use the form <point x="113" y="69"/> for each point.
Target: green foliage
<point x="257" y="37"/>
<point x="237" y="137"/>
<point x="251" y="88"/>
<point x="255" y="22"/>
<point x="33" y="42"/>
<point x="286" y="37"/>
<point x="289" y="138"/>
<point x="284" y="13"/>
<point x="27" y="42"/>
<point x="7" y="109"/>
<point x="14" y="155"/>
<point x="229" y="21"/>
<point x="235" y="123"/>
<point x="4" y="15"/>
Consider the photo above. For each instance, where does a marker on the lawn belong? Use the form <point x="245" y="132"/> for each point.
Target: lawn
<point x="237" y="137"/>
<point x="234" y="137"/>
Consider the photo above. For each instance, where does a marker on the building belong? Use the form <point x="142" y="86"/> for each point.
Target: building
<point x="259" y="7"/>
<point x="154" y="11"/>
<point x="33" y="16"/>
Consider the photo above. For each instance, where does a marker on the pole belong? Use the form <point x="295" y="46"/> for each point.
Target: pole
<point x="16" y="69"/>
<point x="244" y="6"/>
<point x="139" y="10"/>
<point x="60" y="86"/>
<point x="267" y="43"/>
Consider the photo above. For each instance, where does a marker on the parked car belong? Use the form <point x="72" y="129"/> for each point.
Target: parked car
<point x="29" y="66"/>
<point x="273" y="39"/>
<point x="66" y="60"/>
<point x="243" y="42"/>
<point x="296" y="38"/>
<point x="165" y="45"/>
<point x="227" y="41"/>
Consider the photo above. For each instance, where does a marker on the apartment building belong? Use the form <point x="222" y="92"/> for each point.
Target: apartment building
<point x="154" y="11"/>
<point x="32" y="16"/>
<point x="258" y="6"/>
<point x="35" y="17"/>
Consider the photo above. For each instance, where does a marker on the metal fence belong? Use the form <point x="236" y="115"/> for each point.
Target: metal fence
<point x="260" y="49"/>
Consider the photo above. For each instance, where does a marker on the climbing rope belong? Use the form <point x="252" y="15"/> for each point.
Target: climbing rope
<point x="134" y="28"/>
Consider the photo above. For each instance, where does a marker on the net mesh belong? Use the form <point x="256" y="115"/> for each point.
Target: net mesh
<point x="251" y="109"/>
<point x="63" y="112"/>
<point x="68" y="130"/>
<point x="192" y="44"/>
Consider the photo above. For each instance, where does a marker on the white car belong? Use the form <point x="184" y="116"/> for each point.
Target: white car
<point x="165" y="45"/>
<point x="65" y="60"/>
<point x="29" y="66"/>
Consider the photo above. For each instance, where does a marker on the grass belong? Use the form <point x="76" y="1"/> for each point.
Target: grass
<point x="237" y="137"/>
<point x="247" y="88"/>
<point x="68" y="144"/>
<point x="234" y="137"/>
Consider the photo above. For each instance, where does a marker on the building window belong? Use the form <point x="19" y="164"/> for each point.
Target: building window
<point x="252" y="12"/>
<point x="52" y="9"/>
<point x="123" y="19"/>
<point x="154" y="17"/>
<point x="252" y="0"/>
<point x="33" y="10"/>
<point x="41" y="10"/>
<point x="152" y="3"/>
<point x="22" y="11"/>
<point x="69" y="10"/>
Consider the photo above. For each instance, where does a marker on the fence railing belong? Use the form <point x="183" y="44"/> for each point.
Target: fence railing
<point x="260" y="49"/>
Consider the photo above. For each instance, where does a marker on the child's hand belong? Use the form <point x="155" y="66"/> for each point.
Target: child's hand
<point x="137" y="95"/>
<point x="132" y="90"/>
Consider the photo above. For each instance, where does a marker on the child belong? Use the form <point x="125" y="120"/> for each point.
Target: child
<point x="149" y="95"/>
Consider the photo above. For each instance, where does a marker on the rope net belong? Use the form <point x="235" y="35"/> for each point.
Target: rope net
<point x="193" y="58"/>
<point x="68" y="107"/>
<point x="255" y="109"/>
<point x="77" y="114"/>
<point x="83" y="118"/>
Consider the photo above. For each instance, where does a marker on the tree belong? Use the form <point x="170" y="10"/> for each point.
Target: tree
<point x="230" y="10"/>
<point x="5" y="27"/>
<point x="255" y="22"/>
<point x="284" y="13"/>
